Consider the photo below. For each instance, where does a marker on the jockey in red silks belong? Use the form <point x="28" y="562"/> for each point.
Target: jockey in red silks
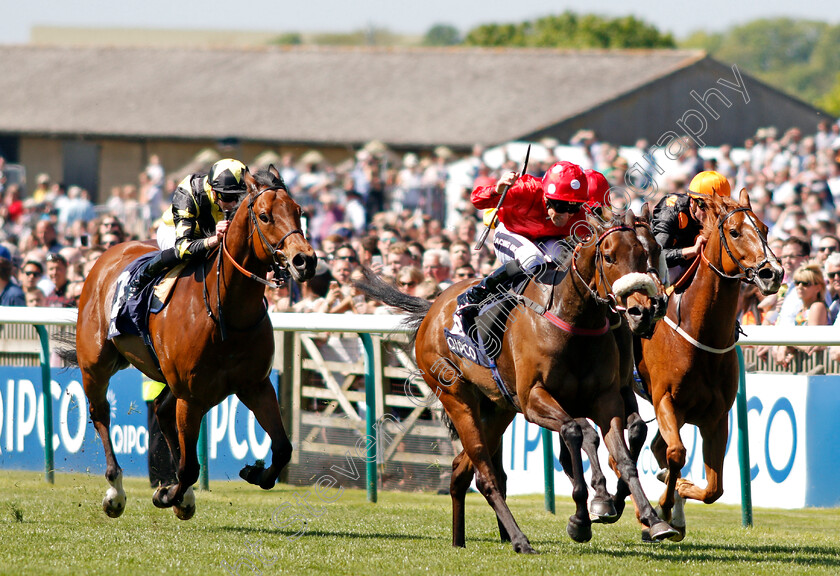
<point x="536" y="218"/>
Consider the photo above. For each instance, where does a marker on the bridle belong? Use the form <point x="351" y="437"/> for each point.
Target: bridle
<point x="747" y="274"/>
<point x="609" y="299"/>
<point x="280" y="269"/>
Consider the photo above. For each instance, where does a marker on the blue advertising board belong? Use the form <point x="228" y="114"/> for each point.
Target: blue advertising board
<point x="234" y="437"/>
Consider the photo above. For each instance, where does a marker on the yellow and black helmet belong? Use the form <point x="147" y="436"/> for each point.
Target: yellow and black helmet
<point x="227" y="175"/>
<point x="709" y="183"/>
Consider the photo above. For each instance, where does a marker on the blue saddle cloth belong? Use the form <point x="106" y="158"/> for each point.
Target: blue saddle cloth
<point x="131" y="318"/>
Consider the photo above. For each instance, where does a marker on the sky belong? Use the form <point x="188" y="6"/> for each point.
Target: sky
<point x="399" y="16"/>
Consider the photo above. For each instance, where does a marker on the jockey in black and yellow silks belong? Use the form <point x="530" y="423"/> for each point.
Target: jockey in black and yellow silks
<point x="196" y="221"/>
<point x="678" y="220"/>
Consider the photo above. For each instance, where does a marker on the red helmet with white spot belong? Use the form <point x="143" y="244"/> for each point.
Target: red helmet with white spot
<point x="598" y="189"/>
<point x="565" y="181"/>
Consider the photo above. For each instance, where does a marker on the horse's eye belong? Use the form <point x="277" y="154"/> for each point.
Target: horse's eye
<point x="264" y="218"/>
<point x="608" y="258"/>
<point x="733" y="233"/>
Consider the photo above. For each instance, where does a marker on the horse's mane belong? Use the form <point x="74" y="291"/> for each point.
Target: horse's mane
<point x="267" y="178"/>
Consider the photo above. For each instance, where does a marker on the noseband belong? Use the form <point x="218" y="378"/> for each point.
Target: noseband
<point x="747" y="274"/>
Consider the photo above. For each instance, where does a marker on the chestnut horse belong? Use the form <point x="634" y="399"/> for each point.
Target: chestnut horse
<point x="213" y="339"/>
<point x="552" y="375"/>
<point x="689" y="364"/>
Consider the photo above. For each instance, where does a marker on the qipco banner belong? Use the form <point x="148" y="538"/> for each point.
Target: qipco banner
<point x="794" y="453"/>
<point x="234" y="437"/>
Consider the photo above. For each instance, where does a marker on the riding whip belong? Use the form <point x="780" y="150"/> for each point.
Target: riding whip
<point x="492" y="223"/>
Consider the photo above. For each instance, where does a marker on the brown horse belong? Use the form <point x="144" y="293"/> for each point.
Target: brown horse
<point x="213" y="339"/>
<point x="603" y="507"/>
<point x="689" y="364"/>
<point x="552" y="375"/>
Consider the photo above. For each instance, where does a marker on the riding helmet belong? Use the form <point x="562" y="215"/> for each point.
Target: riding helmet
<point x="565" y="181"/>
<point x="227" y="175"/>
<point x="708" y="183"/>
<point x="598" y="189"/>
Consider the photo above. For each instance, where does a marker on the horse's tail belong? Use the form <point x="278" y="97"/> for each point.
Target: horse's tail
<point x="66" y="346"/>
<point x="380" y="290"/>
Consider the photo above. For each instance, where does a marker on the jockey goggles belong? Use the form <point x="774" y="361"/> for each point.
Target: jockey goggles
<point x="563" y="206"/>
<point x="229" y="196"/>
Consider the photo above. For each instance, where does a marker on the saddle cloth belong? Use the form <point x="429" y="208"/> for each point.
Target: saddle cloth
<point x="132" y="317"/>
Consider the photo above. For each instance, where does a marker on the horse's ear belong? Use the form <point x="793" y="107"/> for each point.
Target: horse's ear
<point x="250" y="183"/>
<point x="645" y="215"/>
<point x="273" y="171"/>
<point x="629" y="218"/>
<point x="744" y="199"/>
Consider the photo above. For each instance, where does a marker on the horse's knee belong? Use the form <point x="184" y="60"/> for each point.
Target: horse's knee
<point x="572" y="435"/>
<point x="637" y="432"/>
<point x="676" y="456"/>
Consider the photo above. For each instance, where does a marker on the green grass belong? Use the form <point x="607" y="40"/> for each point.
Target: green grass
<point x="61" y="529"/>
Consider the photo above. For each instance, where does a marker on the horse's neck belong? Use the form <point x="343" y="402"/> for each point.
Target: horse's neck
<point x="715" y="318"/>
<point x="573" y="302"/>
<point x="236" y="290"/>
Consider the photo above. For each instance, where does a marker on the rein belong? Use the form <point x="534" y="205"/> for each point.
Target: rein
<point x="610" y="299"/>
<point x="747" y="274"/>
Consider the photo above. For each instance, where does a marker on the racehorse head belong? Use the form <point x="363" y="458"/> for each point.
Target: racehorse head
<point x="620" y="272"/>
<point x="737" y="247"/>
<point x="276" y="235"/>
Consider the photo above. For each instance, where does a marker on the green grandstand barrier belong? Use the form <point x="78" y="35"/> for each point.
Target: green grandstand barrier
<point x="370" y="416"/>
<point x="203" y="470"/>
<point x="744" y="443"/>
<point x="548" y="469"/>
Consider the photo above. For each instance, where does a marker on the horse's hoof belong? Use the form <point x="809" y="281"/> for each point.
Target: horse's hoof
<point x="579" y="532"/>
<point x="523" y="547"/>
<point x="680" y="534"/>
<point x="158" y="497"/>
<point x="602" y="512"/>
<point x="662" y="475"/>
<point x="267" y="483"/>
<point x="184" y="512"/>
<point x="662" y="530"/>
<point x="253" y="474"/>
<point x="114" y="503"/>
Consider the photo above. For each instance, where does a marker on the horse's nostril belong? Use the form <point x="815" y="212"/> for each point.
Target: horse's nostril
<point x="766" y="273"/>
<point x="299" y="261"/>
<point x="635" y="311"/>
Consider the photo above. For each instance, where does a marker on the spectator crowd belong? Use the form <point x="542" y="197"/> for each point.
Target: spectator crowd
<point x="410" y="220"/>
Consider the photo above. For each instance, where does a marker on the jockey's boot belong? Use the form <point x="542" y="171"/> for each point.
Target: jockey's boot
<point x="471" y="301"/>
<point x="161" y="262"/>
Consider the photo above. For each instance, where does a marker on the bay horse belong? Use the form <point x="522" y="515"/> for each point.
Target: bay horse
<point x="689" y="365"/>
<point x="552" y="375"/>
<point x="606" y="508"/>
<point x="214" y="338"/>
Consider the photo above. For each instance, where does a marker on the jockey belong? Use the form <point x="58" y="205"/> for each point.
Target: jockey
<point x="598" y="190"/>
<point x="536" y="217"/>
<point x="197" y="219"/>
<point x="678" y="219"/>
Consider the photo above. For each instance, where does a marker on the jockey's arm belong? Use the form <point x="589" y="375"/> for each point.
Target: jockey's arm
<point x="664" y="230"/>
<point x="185" y="216"/>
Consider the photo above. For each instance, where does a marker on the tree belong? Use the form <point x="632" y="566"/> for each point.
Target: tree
<point x="442" y="35"/>
<point x="569" y="30"/>
<point x="831" y="100"/>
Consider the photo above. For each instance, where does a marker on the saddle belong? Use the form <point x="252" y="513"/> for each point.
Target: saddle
<point x="131" y="317"/>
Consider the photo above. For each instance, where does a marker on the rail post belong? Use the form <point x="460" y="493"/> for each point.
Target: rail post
<point x="548" y="466"/>
<point x="203" y="471"/>
<point x="46" y="383"/>
<point x="370" y="416"/>
<point x="744" y="443"/>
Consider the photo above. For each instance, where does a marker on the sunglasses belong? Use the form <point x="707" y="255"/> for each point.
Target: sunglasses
<point x="111" y="224"/>
<point x="834" y="275"/>
<point x="804" y="284"/>
<point x="347" y="258"/>
<point x="407" y="284"/>
<point x="36" y="273"/>
<point x="828" y="249"/>
<point x="563" y="207"/>
<point x="229" y="196"/>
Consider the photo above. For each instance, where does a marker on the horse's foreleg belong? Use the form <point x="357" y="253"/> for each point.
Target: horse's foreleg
<point x="611" y="419"/>
<point x="100" y="414"/>
<point x="601" y="506"/>
<point x="165" y="405"/>
<point x="636" y="435"/>
<point x="669" y="451"/>
<point x="459" y="483"/>
<point x="180" y="495"/>
<point x="262" y="401"/>
<point x="543" y="409"/>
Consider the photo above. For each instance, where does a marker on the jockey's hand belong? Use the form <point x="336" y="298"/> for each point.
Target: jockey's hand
<point x="221" y="228"/>
<point x="693" y="251"/>
<point x="507" y="179"/>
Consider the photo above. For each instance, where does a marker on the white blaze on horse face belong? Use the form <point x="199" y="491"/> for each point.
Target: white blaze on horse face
<point x="635" y="282"/>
